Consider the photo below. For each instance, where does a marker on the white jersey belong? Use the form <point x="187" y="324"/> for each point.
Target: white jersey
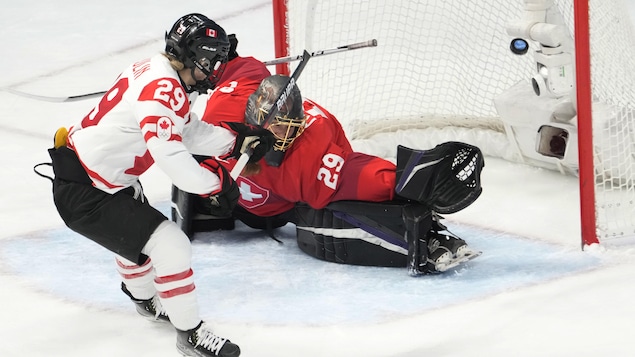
<point x="144" y="119"/>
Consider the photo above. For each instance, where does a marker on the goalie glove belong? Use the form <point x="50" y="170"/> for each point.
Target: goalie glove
<point x="446" y="178"/>
<point x="250" y="137"/>
<point x="221" y="202"/>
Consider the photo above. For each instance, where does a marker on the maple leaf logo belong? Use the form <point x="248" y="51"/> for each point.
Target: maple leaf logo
<point x="164" y="129"/>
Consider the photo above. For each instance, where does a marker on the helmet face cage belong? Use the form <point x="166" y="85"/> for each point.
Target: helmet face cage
<point x="289" y="121"/>
<point x="286" y="129"/>
<point x="200" y="43"/>
<point x="213" y="70"/>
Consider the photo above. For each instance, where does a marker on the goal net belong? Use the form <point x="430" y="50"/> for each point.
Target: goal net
<point x="443" y="70"/>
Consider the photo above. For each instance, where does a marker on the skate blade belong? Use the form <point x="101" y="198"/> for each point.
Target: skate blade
<point x="153" y="318"/>
<point x="456" y="262"/>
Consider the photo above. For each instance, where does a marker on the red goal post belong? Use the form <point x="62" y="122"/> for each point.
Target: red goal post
<point x="585" y="123"/>
<point x="443" y="70"/>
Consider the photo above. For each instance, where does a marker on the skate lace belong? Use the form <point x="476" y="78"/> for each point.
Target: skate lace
<point x="158" y="307"/>
<point x="206" y="338"/>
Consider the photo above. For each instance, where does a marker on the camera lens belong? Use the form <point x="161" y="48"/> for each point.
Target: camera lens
<point x="519" y="46"/>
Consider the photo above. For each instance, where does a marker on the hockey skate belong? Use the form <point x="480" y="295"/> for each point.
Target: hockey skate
<point x="151" y="309"/>
<point x="202" y="342"/>
<point x="446" y="252"/>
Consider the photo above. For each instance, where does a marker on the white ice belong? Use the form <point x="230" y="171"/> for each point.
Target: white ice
<point x="580" y="303"/>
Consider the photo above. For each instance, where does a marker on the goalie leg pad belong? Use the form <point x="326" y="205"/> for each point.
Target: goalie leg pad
<point x="185" y="212"/>
<point x="329" y="235"/>
<point x="182" y="210"/>
<point x="446" y="178"/>
<point x="360" y="233"/>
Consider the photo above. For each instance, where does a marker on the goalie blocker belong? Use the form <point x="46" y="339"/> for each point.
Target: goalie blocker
<point x="444" y="179"/>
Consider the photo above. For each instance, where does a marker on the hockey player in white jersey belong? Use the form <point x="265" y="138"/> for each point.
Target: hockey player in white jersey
<point x="145" y="119"/>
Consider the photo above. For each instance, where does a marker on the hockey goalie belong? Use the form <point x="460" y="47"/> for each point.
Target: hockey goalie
<point x="348" y="207"/>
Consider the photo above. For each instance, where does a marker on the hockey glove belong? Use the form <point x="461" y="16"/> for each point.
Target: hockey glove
<point x="446" y="178"/>
<point x="221" y="202"/>
<point x="250" y="136"/>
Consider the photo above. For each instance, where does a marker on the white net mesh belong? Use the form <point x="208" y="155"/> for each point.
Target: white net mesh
<point x="431" y="60"/>
<point x="440" y="64"/>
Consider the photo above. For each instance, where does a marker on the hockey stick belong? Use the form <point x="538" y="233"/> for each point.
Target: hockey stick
<point x="353" y="46"/>
<point x="280" y="101"/>
<point x="74" y="98"/>
<point x="241" y="163"/>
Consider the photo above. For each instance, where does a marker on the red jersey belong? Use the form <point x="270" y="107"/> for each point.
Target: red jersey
<point x="241" y="77"/>
<point x="320" y="167"/>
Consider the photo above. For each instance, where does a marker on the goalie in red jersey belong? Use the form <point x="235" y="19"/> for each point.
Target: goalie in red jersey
<point x="344" y="203"/>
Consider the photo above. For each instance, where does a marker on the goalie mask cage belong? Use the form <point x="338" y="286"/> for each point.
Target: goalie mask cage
<point x="439" y="65"/>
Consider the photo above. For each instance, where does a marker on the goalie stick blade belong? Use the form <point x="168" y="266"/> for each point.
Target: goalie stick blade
<point x="458" y="261"/>
<point x="72" y="98"/>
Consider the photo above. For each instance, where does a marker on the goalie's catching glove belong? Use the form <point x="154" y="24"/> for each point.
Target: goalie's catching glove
<point x="221" y="202"/>
<point x="446" y="178"/>
<point x="250" y="136"/>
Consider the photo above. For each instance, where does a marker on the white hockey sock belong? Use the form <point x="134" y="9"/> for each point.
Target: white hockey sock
<point x="171" y="253"/>
<point x="139" y="279"/>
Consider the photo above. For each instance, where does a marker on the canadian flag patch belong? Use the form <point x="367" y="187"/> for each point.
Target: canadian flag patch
<point x="164" y="128"/>
<point x="211" y="33"/>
